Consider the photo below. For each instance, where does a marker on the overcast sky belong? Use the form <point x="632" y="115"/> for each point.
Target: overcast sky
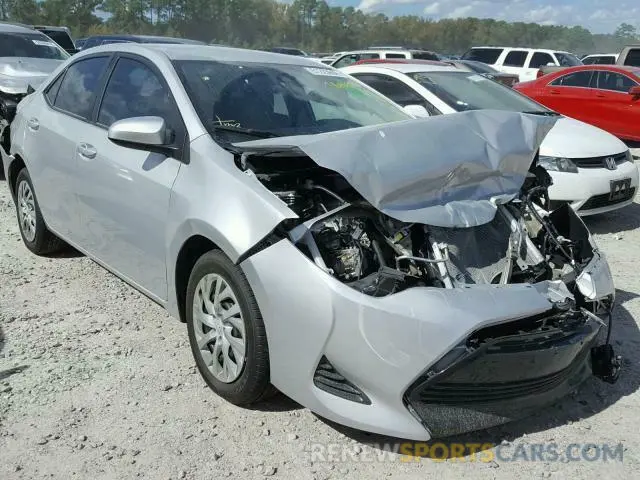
<point x="599" y="16"/>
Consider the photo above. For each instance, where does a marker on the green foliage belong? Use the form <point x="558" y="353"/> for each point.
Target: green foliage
<point x="309" y="24"/>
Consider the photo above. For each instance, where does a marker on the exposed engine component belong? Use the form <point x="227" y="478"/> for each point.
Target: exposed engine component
<point x="379" y="255"/>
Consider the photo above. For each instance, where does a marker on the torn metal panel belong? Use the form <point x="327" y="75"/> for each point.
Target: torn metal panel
<point x="447" y="171"/>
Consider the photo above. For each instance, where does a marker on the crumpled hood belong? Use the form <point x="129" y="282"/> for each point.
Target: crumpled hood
<point x="447" y="171"/>
<point x="20" y="72"/>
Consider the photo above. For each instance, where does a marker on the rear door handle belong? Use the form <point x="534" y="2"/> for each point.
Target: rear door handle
<point x="33" y="124"/>
<point x="87" y="151"/>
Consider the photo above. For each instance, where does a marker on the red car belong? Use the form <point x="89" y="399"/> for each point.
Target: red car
<point x="606" y="96"/>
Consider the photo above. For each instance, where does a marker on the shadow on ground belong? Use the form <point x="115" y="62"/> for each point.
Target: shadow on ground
<point x="592" y="397"/>
<point x="9" y="371"/>
<point x="623" y="220"/>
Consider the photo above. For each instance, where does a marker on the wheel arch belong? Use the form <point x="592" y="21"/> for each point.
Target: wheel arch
<point x="190" y="251"/>
<point x="14" y="169"/>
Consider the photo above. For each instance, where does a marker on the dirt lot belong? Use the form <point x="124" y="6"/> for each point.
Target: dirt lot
<point x="98" y="382"/>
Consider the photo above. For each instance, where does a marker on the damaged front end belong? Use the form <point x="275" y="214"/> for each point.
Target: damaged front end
<point x="467" y="224"/>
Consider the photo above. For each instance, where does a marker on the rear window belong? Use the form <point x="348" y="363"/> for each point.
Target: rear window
<point x="424" y="56"/>
<point x="567" y="59"/>
<point x="395" y="55"/>
<point x="61" y="37"/>
<point x="600" y="60"/>
<point x="633" y="57"/>
<point x="484" y="55"/>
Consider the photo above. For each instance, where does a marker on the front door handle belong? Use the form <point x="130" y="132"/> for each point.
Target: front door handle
<point x="87" y="151"/>
<point x="554" y="92"/>
<point x="33" y="124"/>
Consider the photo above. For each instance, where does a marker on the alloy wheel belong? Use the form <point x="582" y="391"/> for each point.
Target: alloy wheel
<point x="27" y="211"/>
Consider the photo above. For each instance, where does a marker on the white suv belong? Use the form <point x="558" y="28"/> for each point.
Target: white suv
<point x="524" y="62"/>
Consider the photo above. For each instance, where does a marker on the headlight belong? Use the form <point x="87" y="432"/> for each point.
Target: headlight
<point x="629" y="156"/>
<point x="557" y="164"/>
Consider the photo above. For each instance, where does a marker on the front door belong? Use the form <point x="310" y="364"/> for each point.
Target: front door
<point x="124" y="193"/>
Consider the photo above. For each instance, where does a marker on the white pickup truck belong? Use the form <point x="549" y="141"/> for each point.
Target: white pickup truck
<point x="523" y="62"/>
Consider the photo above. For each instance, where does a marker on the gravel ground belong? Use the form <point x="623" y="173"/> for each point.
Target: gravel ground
<point x="97" y="381"/>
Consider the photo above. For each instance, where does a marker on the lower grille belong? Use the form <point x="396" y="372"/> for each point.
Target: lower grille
<point x="599" y="162"/>
<point x="328" y="379"/>
<point x="599" y="201"/>
<point x="511" y="374"/>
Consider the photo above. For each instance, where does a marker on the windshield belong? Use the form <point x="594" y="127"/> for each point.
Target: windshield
<point x="464" y="91"/>
<point x="281" y="99"/>
<point x="568" y="60"/>
<point x="32" y="45"/>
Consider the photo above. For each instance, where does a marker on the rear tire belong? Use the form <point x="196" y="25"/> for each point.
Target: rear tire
<point x="33" y="230"/>
<point x="226" y="331"/>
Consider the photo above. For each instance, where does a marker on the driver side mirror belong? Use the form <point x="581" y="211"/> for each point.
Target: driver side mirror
<point x="635" y="91"/>
<point x="143" y="133"/>
<point x="416" y="111"/>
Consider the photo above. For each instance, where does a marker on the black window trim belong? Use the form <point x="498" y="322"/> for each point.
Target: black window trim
<point x="108" y="56"/>
<point x="182" y="146"/>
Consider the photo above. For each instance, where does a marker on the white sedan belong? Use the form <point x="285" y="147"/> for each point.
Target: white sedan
<point x="592" y="170"/>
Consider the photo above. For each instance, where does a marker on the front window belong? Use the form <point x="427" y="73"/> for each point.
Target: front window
<point x="465" y="91"/>
<point x="32" y="45"/>
<point x="568" y="60"/>
<point x="281" y="100"/>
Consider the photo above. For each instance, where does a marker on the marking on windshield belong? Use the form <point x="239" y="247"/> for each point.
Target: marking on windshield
<point x="324" y="72"/>
<point x="477" y="78"/>
<point x="42" y="43"/>
<point x="227" y="123"/>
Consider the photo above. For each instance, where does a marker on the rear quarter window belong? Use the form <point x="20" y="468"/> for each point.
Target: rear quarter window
<point x="633" y="57"/>
<point x="484" y="55"/>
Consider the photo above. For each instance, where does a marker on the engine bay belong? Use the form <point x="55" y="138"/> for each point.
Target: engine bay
<point x="379" y="255"/>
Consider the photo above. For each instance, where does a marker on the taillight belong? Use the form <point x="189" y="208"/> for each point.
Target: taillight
<point x="539" y="74"/>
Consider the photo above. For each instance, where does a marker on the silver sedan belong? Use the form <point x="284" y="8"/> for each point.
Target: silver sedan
<point x="395" y="275"/>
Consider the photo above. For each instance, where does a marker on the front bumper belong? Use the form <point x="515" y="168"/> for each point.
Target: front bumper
<point x="588" y="191"/>
<point x="383" y="346"/>
<point x="502" y="374"/>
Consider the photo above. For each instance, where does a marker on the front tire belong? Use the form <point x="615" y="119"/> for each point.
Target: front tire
<point x="226" y="331"/>
<point x="33" y="230"/>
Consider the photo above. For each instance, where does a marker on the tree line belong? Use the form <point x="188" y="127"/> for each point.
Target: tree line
<point x="312" y="25"/>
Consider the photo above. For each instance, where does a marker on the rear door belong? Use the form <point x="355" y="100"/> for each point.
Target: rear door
<point x="538" y="60"/>
<point x="514" y="62"/>
<point x="571" y="94"/>
<point x="123" y="193"/>
<point x="618" y="111"/>
<point x="50" y="146"/>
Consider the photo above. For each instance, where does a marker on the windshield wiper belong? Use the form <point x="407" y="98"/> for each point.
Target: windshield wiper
<point x="246" y="131"/>
<point x="544" y="113"/>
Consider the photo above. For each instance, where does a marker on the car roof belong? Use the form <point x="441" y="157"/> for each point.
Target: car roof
<point x="145" y="38"/>
<point x="580" y="68"/>
<point x="527" y="49"/>
<point x="407" y="67"/>
<point x="14" y="28"/>
<point x="208" y="52"/>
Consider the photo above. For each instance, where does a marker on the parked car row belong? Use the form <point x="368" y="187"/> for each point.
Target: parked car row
<point x="305" y="223"/>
